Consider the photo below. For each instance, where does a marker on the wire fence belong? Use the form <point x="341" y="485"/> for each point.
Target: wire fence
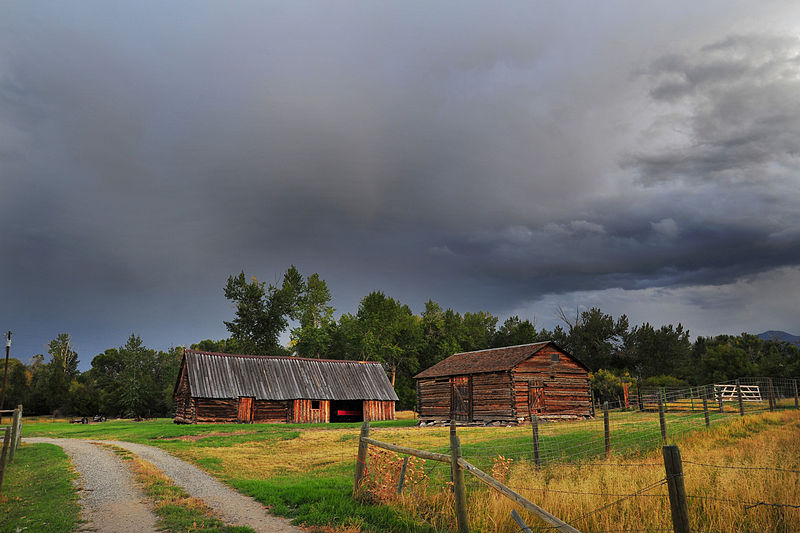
<point x="628" y="482"/>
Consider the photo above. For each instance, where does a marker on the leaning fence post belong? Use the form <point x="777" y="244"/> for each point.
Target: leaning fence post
<point x="520" y="522"/>
<point x="402" y="480"/>
<point x="739" y="395"/>
<point x="459" y="489"/>
<point x="796" y="397"/>
<point x="12" y="446"/>
<point x="607" y="429"/>
<point x="662" y="420"/>
<point x="361" y="458"/>
<point x="3" y="455"/>
<point x="677" y="489"/>
<point x="535" y="427"/>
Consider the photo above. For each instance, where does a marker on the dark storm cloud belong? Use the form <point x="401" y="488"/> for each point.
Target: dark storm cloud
<point x="149" y="150"/>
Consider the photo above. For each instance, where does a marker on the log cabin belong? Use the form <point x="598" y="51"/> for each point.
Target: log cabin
<point x="505" y="384"/>
<point x="218" y="387"/>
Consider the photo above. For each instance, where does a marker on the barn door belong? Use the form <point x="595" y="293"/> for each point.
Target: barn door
<point x="461" y="399"/>
<point x="245" y="410"/>
<point x="536" y="396"/>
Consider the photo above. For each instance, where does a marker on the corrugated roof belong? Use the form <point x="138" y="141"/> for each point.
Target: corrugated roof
<point x="491" y="360"/>
<point x="218" y="375"/>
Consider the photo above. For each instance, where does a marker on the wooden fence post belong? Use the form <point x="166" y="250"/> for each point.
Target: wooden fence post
<point x="661" y="419"/>
<point x="607" y="429"/>
<point x="361" y="458"/>
<point x="402" y="479"/>
<point x="520" y="522"/>
<point x="719" y="399"/>
<point x="739" y="395"/>
<point x="3" y="455"/>
<point x="459" y="488"/>
<point x="796" y="397"/>
<point x="14" y="428"/>
<point x="639" y="393"/>
<point x="705" y="411"/>
<point x="677" y="489"/>
<point x="535" y="427"/>
<point x="19" y="427"/>
<point x="771" y="395"/>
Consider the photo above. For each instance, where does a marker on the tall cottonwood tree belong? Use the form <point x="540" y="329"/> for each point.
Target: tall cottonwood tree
<point x="262" y="312"/>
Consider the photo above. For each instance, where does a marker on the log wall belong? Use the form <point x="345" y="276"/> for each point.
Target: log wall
<point x="491" y="397"/>
<point x="184" y="403"/>
<point x="433" y="398"/>
<point x="378" y="410"/>
<point x="566" y="384"/>
<point x="268" y="411"/>
<point x="216" y="410"/>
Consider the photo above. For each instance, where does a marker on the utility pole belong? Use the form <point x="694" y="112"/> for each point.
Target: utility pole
<point x="5" y="373"/>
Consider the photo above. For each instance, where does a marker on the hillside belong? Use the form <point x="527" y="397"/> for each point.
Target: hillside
<point x="779" y="336"/>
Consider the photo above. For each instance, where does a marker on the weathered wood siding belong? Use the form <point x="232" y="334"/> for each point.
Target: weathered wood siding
<point x="378" y="410"/>
<point x="272" y="411"/>
<point x="303" y="412"/>
<point x="433" y="398"/>
<point x="565" y="382"/>
<point x="491" y="397"/>
<point x="216" y="410"/>
<point x="184" y="403"/>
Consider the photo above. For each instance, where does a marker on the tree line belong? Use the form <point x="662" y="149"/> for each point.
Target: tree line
<point x="133" y="380"/>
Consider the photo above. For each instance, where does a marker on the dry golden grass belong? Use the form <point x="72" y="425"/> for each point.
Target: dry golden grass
<point x="770" y="440"/>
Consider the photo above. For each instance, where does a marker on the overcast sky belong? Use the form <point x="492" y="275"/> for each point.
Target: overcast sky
<point x="637" y="156"/>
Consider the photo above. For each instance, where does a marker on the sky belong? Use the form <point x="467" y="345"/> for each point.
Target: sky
<point x="640" y="157"/>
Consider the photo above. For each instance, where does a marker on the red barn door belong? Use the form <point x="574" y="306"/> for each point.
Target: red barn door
<point x="245" y="410"/>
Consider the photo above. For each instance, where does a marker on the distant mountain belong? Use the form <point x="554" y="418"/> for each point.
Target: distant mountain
<point x="779" y="336"/>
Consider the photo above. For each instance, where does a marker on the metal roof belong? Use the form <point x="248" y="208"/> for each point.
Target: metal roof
<point x="491" y="360"/>
<point x="218" y="375"/>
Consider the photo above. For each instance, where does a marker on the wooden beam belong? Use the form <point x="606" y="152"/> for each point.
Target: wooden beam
<point x="433" y="456"/>
<point x="559" y="524"/>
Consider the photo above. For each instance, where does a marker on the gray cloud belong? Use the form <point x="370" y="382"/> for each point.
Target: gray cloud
<point x="464" y="153"/>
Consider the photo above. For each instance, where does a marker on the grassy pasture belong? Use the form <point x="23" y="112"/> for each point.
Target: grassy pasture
<point x="305" y="471"/>
<point x="37" y="491"/>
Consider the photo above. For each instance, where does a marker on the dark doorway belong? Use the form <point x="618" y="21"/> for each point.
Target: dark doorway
<point x="347" y="411"/>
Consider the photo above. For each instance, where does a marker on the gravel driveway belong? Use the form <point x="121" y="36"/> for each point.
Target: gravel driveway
<point x="109" y="498"/>
<point x="234" y="508"/>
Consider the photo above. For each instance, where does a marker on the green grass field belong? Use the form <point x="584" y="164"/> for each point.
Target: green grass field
<point x="305" y="472"/>
<point x="37" y="491"/>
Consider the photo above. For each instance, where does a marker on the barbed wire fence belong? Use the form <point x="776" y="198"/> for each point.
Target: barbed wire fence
<point x="635" y="429"/>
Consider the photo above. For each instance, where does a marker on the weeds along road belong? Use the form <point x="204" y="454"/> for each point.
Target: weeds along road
<point x="110" y="499"/>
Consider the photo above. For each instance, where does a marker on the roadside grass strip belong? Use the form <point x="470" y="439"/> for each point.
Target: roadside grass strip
<point x="38" y="493"/>
<point x="177" y="511"/>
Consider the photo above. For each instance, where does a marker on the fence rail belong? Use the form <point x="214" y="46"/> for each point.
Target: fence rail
<point x="619" y="428"/>
<point x="12" y="435"/>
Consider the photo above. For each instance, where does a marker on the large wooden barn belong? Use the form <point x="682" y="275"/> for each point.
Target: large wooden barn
<point x="217" y="387"/>
<point x="505" y="384"/>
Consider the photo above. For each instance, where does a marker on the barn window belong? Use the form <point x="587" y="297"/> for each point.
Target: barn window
<point x="315" y="404"/>
<point x="554" y="358"/>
